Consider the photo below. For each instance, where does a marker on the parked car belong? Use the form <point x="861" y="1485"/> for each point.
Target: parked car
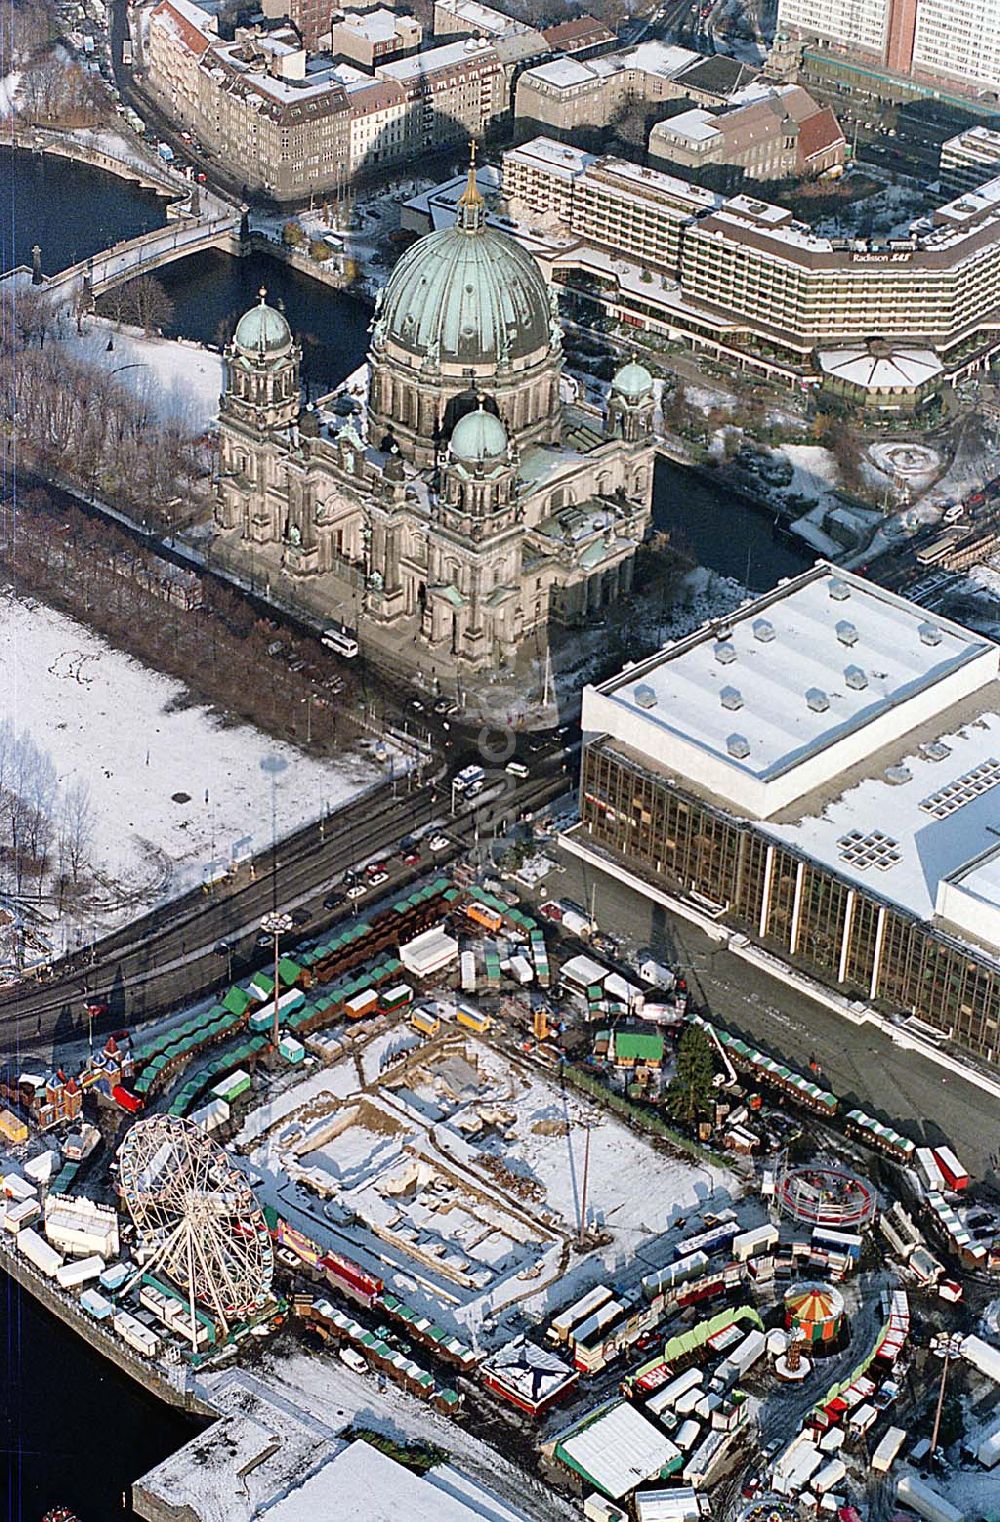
<point x="439" y="843"/>
<point x="551" y="912"/>
<point x="353" y="1360"/>
<point x="357" y="890"/>
<point x="377" y="879"/>
<point x="335" y="899"/>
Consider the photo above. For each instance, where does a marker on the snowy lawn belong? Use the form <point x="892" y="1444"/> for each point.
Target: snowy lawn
<point x="174" y="794"/>
<point x="181" y="380"/>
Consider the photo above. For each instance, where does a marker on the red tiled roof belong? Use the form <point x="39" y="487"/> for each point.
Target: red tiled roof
<point x="581" y="32"/>
<point x="818" y="133"/>
<point x="195" y="41"/>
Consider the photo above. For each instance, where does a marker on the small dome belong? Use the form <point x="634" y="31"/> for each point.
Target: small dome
<point x="263" y="330"/>
<point x="478" y="436"/>
<point x="633" y="382"/>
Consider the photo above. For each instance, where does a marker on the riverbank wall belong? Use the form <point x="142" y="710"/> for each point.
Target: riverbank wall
<point x="68" y="145"/>
<point x="173" y="1387"/>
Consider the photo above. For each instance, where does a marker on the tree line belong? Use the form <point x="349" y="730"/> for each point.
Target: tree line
<point x="74" y="418"/>
<point x="97" y="573"/>
<point x="47" y="821"/>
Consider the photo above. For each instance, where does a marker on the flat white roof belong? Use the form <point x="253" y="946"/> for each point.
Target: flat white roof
<point x="618" y="1450"/>
<point x="362" y="1482"/>
<point x="794" y="671"/>
<point x="377" y="26"/>
<point x="697" y="125"/>
<point x="555" y="158"/>
<point x="445" y="57"/>
<point x="482" y="17"/>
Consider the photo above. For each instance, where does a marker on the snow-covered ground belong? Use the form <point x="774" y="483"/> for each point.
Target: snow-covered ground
<point x="180" y="379"/>
<point x="175" y="794"/>
<point x="497" y="1196"/>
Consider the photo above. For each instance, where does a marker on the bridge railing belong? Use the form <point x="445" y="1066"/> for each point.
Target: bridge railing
<point x="147" y="251"/>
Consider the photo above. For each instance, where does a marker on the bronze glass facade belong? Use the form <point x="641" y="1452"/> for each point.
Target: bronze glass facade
<point x="831" y="928"/>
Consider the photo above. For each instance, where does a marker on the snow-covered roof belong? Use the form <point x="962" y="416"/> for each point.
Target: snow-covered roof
<point x="482" y="18"/>
<point x="697" y="126"/>
<point x="921" y="832"/>
<point x="378" y="25"/>
<point x="784" y="696"/>
<point x="363" y="1482"/>
<point x="556" y="158"/>
<point x="529" y="1372"/>
<point x="617" y="1450"/>
<point x="405" y="70"/>
<point x="899" y="370"/>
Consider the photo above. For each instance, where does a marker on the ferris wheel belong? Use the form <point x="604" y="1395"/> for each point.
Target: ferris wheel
<point x="197" y="1219"/>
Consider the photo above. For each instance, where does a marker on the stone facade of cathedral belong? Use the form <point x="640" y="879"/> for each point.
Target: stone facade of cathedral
<point x="473" y="507"/>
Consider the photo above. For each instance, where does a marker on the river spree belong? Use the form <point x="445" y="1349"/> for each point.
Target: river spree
<point x="722" y="531"/>
<point x="211" y="291"/>
<point x="68" y="209"/>
<point x="74" y="1430"/>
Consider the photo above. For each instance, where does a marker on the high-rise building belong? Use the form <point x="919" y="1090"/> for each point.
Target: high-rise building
<point x="958" y="38"/>
<point x="860" y="24"/>
<point x="944" y="39"/>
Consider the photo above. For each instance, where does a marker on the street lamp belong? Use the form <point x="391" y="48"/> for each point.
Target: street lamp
<point x="276" y="924"/>
<point x="946" y="1346"/>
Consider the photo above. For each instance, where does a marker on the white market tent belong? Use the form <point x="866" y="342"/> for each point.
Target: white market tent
<point x="618" y="1450"/>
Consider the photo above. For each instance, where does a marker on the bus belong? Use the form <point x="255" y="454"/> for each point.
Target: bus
<point x="342" y="641"/>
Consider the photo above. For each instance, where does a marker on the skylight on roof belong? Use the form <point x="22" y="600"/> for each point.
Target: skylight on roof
<point x="872" y="850"/>
<point x="963" y="790"/>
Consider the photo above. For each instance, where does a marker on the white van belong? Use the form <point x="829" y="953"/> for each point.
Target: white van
<point x="516" y="769"/>
<point x="353" y="1360"/>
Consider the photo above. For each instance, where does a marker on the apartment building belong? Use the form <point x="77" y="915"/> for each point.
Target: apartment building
<point x="310" y="18"/>
<point x="970" y="158"/>
<point x="374" y="36"/>
<point x="569" y="93"/>
<point x="958" y="40"/>
<point x="582" y="36"/>
<point x="862" y="25"/>
<point x="291" y="123"/>
<point x="180" y="34"/>
<point x="453" y="93"/>
<point x="767" y="134"/>
<point x="950" y="40"/>
<point x="468" y="18"/>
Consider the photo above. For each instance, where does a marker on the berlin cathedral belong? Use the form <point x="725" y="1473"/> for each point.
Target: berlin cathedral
<point x="474" y="506"/>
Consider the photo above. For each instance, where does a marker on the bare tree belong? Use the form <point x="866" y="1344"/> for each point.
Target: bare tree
<point x="146" y="304"/>
<point x="77" y="827"/>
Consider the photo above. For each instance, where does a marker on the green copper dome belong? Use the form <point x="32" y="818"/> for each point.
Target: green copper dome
<point x="263" y="331"/>
<point x="478" y="436"/>
<point x="633" y="381"/>
<point x="467" y="295"/>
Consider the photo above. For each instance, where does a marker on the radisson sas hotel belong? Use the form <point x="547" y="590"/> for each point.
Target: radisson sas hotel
<point x="821" y="772"/>
<point x="882" y="322"/>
